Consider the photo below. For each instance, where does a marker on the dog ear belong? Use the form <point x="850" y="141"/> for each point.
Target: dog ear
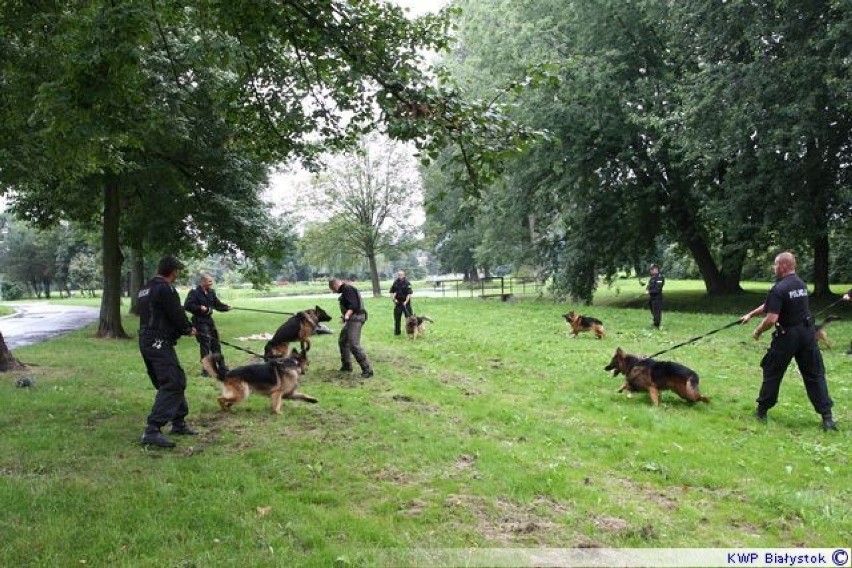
<point x="619" y="351"/>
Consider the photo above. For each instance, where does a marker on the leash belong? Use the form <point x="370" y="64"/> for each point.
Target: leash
<point x="223" y="342"/>
<point x="263" y="311"/>
<point x="694" y="339"/>
<point x="828" y="307"/>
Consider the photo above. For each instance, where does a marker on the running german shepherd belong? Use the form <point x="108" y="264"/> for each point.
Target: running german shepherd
<point x="415" y="326"/>
<point x="580" y="323"/>
<point x="277" y="379"/>
<point x="655" y="376"/>
<point x="820" y="330"/>
<point x="299" y="327"/>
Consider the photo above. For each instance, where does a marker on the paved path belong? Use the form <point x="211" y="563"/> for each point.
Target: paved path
<point x="38" y="322"/>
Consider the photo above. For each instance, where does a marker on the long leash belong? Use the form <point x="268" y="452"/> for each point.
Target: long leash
<point x="828" y="307"/>
<point x="223" y="342"/>
<point x="694" y="339"/>
<point x="263" y="311"/>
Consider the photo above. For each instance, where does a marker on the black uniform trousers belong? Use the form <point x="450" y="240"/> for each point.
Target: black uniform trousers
<point x="797" y="341"/>
<point x="399" y="309"/>
<point x="655" y="302"/>
<point x="168" y="378"/>
<point x="207" y="336"/>
<point x="349" y="343"/>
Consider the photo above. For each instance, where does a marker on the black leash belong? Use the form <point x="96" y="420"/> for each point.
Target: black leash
<point x="223" y="342"/>
<point x="828" y="307"/>
<point x="694" y="339"/>
<point x="263" y="311"/>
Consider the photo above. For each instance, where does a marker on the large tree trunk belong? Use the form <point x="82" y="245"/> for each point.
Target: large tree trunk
<point x="7" y="361"/>
<point x="137" y="277"/>
<point x="110" y="316"/>
<point x="733" y="257"/>
<point x="685" y="226"/>
<point x="374" y="275"/>
<point x="821" y="283"/>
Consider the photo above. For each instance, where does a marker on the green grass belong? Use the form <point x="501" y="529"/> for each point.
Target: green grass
<point x="494" y="430"/>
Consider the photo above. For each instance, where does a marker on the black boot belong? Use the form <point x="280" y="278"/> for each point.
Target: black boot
<point x="153" y="437"/>
<point x="366" y="374"/>
<point x="760" y="415"/>
<point x="182" y="429"/>
<point x="828" y="422"/>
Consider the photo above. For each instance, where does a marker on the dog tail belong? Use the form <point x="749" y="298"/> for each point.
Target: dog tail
<point x="427" y="318"/>
<point x="215" y="366"/>
<point x="827" y="321"/>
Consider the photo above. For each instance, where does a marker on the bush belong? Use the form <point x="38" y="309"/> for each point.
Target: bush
<point x="11" y="291"/>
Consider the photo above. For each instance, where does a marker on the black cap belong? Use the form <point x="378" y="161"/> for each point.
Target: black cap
<point x="169" y="264"/>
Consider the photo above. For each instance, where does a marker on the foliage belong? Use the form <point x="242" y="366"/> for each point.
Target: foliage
<point x="700" y="124"/>
<point x="84" y="271"/>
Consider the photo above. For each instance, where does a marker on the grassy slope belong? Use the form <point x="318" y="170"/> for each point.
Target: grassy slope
<point x="495" y="430"/>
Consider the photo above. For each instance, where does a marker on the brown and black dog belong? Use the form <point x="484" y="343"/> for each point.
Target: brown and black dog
<point x="277" y="378"/>
<point x="415" y="326"/>
<point x="299" y="327"/>
<point x="655" y="376"/>
<point x="820" y="330"/>
<point x="580" y="323"/>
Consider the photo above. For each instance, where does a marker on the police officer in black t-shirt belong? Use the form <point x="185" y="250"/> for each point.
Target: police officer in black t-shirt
<point x="354" y="315"/>
<point x="161" y="322"/>
<point x="788" y="309"/>
<point x="655" y="294"/>
<point x="400" y="293"/>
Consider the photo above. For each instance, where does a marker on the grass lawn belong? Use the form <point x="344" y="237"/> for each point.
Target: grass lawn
<point x="495" y="430"/>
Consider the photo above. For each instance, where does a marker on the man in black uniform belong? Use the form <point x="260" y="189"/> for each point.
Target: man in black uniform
<point x="655" y="294"/>
<point x="161" y="322"/>
<point x="354" y="315"/>
<point x="788" y="309"/>
<point x="400" y="293"/>
<point x="200" y="302"/>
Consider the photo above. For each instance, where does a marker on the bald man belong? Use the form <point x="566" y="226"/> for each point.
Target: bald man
<point x="787" y="308"/>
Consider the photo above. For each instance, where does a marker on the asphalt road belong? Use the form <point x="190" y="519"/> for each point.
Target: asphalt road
<point x="38" y="322"/>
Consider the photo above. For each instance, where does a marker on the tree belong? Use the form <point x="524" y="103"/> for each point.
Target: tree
<point x="700" y="124"/>
<point x="370" y="195"/>
<point x="7" y="360"/>
<point x="110" y="106"/>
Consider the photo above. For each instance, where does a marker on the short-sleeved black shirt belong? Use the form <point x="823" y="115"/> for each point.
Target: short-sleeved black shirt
<point x="350" y="299"/>
<point x="655" y="284"/>
<point x="789" y="299"/>
<point x="401" y="289"/>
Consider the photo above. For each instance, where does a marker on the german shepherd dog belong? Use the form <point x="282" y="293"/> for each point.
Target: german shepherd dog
<point x="277" y="379"/>
<point x="580" y="323"/>
<point x="415" y="326"/>
<point x="299" y="327"/>
<point x="820" y="330"/>
<point x="655" y="376"/>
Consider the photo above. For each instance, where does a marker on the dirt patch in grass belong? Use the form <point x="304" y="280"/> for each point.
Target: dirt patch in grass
<point x="506" y="522"/>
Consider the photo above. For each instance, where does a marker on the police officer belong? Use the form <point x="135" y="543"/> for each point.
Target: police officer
<point x="400" y="293"/>
<point x="161" y="322"/>
<point x="354" y="315"/>
<point x="788" y="309"/>
<point x="200" y="302"/>
<point x="655" y="294"/>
